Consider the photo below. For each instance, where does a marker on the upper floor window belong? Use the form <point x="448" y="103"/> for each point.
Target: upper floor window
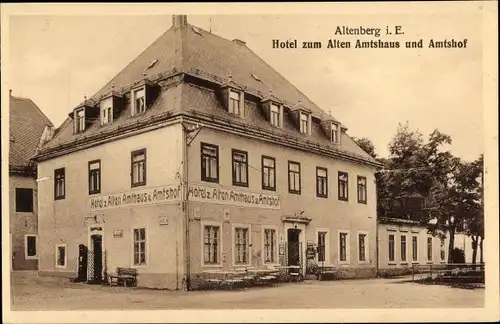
<point x="321" y="182"/>
<point x="80" y="120"/>
<point x="343" y="186"/>
<point x="294" y="177"/>
<point x="268" y="173"/>
<point x="59" y="183"/>
<point x="94" y="177"/>
<point x="234" y="102"/>
<point x="209" y="162"/>
<point x="24" y="200"/>
<point x="304" y="123"/>
<point x="138" y="168"/>
<point x="139" y="101"/>
<point x="361" y="190"/>
<point x="335" y="134"/>
<point x="275" y="115"/>
<point x="240" y="168"/>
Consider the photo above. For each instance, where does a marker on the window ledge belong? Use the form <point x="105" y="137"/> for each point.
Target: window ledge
<point x="211" y="265"/>
<point x="391" y="263"/>
<point x="142" y="266"/>
<point x="31" y="257"/>
<point x="415" y="262"/>
<point x="403" y="263"/>
<point x="429" y="262"/>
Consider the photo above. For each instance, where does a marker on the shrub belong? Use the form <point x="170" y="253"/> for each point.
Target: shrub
<point x="458" y="256"/>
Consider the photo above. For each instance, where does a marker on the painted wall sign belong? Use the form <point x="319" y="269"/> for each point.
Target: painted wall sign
<point x="239" y="198"/>
<point x="117" y="233"/>
<point x="163" y="220"/>
<point x="169" y="193"/>
<point x="173" y="193"/>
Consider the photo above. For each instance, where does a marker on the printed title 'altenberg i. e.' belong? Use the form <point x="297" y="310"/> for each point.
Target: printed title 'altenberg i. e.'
<point x="193" y="114"/>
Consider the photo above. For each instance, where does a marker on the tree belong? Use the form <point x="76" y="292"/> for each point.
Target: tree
<point x="474" y="224"/>
<point x="458" y="201"/>
<point x="366" y="145"/>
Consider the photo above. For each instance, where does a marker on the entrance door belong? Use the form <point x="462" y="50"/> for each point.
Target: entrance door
<point x="82" y="262"/>
<point x="293" y="247"/>
<point x="97" y="257"/>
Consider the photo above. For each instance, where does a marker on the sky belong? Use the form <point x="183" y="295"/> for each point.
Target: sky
<point x="56" y="60"/>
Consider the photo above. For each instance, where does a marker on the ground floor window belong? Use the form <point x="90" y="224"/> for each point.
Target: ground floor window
<point x="442" y="250"/>
<point x="414" y="244"/>
<point x="403" y="248"/>
<point x="429" y="248"/>
<point x="391" y="247"/>
<point x="139" y="246"/>
<point x="362" y="247"/>
<point x="321" y="246"/>
<point x="211" y="247"/>
<point x="269" y="245"/>
<point x="241" y="244"/>
<point x="61" y="256"/>
<point x="30" y="247"/>
<point x="343" y="246"/>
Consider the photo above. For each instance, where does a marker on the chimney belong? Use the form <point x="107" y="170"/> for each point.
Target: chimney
<point x="179" y="21"/>
<point x="10" y="92"/>
<point x="239" y="41"/>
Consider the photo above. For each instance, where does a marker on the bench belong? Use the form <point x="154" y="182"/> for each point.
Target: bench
<point x="325" y="270"/>
<point x="124" y="275"/>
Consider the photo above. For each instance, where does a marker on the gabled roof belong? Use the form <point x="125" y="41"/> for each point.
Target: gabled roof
<point x="192" y="51"/>
<point x="27" y="123"/>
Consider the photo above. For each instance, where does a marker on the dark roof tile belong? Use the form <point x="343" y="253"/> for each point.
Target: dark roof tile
<point x="27" y="123"/>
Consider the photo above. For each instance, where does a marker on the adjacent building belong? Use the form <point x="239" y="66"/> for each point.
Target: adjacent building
<point x="29" y="129"/>
<point x="403" y="241"/>
<point x="198" y="155"/>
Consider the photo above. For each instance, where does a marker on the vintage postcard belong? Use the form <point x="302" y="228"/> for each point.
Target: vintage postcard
<point x="250" y="162"/>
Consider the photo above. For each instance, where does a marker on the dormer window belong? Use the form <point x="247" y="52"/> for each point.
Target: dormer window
<point x="79" y="120"/>
<point x="335" y="133"/>
<point x="234" y="102"/>
<point x="139" y="101"/>
<point x="304" y="123"/>
<point x="107" y="115"/>
<point x="275" y="115"/>
<point x="107" y="111"/>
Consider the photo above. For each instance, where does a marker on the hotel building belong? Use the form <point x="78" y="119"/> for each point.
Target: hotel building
<point x="198" y="155"/>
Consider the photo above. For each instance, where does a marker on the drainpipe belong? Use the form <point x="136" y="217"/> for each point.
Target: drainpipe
<point x="185" y="196"/>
